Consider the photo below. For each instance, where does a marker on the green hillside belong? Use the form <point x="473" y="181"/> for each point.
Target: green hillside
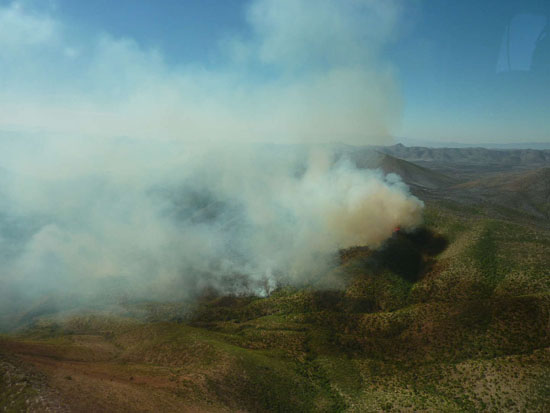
<point x="455" y="317"/>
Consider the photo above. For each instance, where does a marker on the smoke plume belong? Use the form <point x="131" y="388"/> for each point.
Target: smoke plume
<point x="122" y="173"/>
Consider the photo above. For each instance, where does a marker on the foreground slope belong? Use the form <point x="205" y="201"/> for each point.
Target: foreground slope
<point x="455" y="317"/>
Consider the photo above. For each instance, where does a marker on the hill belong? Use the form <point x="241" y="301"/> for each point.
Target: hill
<point x="412" y="174"/>
<point x="453" y="317"/>
<point x="501" y="157"/>
<point x="468" y="163"/>
<point x="527" y="191"/>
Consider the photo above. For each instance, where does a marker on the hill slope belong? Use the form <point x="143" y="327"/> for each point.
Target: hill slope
<point x="411" y="174"/>
<point x="528" y="191"/>
<point x="464" y="164"/>
<point x="481" y="156"/>
<point x="455" y="317"/>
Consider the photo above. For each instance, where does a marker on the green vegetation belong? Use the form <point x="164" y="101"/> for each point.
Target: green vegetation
<point x="455" y="317"/>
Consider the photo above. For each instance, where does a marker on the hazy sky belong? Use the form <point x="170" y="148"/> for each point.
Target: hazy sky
<point x="465" y="71"/>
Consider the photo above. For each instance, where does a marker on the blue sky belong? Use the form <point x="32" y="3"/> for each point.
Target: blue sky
<point x="462" y="71"/>
<point x="452" y="83"/>
<point x="184" y="30"/>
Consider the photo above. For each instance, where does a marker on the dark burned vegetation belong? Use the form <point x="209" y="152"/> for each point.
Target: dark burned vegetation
<point x="409" y="254"/>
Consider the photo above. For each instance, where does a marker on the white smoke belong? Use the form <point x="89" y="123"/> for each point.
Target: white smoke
<point x="308" y="72"/>
<point x="184" y="201"/>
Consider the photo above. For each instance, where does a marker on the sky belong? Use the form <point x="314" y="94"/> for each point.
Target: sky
<point x="455" y="78"/>
<point x="357" y="71"/>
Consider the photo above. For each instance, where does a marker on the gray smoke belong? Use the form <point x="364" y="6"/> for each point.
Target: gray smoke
<point x="202" y="188"/>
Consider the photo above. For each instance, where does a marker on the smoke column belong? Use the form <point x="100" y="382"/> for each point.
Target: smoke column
<point x="136" y="176"/>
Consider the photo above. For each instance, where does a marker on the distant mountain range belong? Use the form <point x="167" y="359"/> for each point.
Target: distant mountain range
<point x="505" y="179"/>
<point x="436" y="144"/>
<point x="478" y="155"/>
